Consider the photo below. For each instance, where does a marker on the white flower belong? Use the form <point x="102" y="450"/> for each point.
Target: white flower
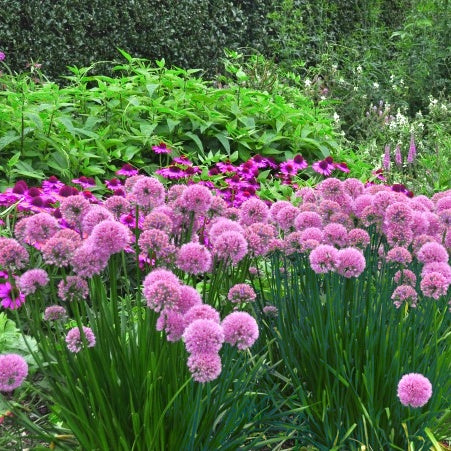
<point x="307" y="82"/>
<point x="359" y="69"/>
<point x="375" y="85"/>
<point x="356" y="88"/>
<point x="336" y="117"/>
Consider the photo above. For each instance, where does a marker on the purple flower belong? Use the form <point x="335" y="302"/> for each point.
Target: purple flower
<point x="404" y="293"/>
<point x="194" y="258"/>
<point x="307" y="219"/>
<point x="441" y="267"/>
<point x="13" y="256"/>
<point x="161" y="148"/>
<point x="154" y="242"/>
<point x="412" y="150"/>
<point x="286" y="216"/>
<point x="110" y="237"/>
<point x="158" y="220"/>
<point x="358" y="238"/>
<point x="11" y="297"/>
<point x="203" y="336"/>
<point x="149" y="192"/>
<point x="230" y="246"/>
<point x="59" y="251"/>
<point x="73" y="208"/>
<point x="55" y="313"/>
<point x="73" y="288"/>
<point x="400" y="255"/>
<point x="87" y="260"/>
<point x="270" y="310"/>
<point x="84" y="182"/>
<point x="434" y="285"/>
<point x="172" y="323"/>
<point x="189" y="297"/>
<point x="241" y="292"/>
<point x="351" y="262"/>
<point x="160" y="274"/>
<point x="222" y="225"/>
<point x="197" y="199"/>
<point x="204" y="367"/>
<point x="406" y="277"/>
<point x="240" y="330"/>
<point x="128" y="170"/>
<point x="398" y="156"/>
<point x="386" y="161"/>
<point x="324" y="258"/>
<point x="40" y="227"/>
<point x="253" y="210"/>
<point x="335" y="234"/>
<point x="94" y="216"/>
<point x="324" y="167"/>
<point x="13" y="371"/>
<point x="201" y="311"/>
<point x="75" y="340"/>
<point x="162" y="294"/>
<point x="2" y="56"/>
<point x="432" y="252"/>
<point x="32" y="279"/>
<point x="414" y="390"/>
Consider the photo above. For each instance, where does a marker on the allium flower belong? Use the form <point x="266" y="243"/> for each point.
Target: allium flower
<point x="32" y="279"/>
<point x="381" y="201"/>
<point x="398" y="214"/>
<point x="73" y="288"/>
<point x="2" y="56"/>
<point x="399" y="255"/>
<point x="241" y="292"/>
<point x="161" y="148"/>
<point x="118" y="205"/>
<point x="270" y="310"/>
<point x="218" y="206"/>
<point x="203" y="336"/>
<point x="307" y="194"/>
<point x="13" y="256"/>
<point x="323" y="258"/>
<point x="10" y="296"/>
<point x="441" y="267"/>
<point x="414" y="390"/>
<point x="230" y="246"/>
<point x="420" y="223"/>
<point x="293" y="243"/>
<point x="194" y="258"/>
<point x="197" y="199"/>
<point x="353" y="187"/>
<point x="240" y="330"/>
<point x="404" y="293"/>
<point x="73" y="209"/>
<point x="149" y="192"/>
<point x="75" y="340"/>
<point x="335" y="234"/>
<point x="158" y="220"/>
<point x="172" y="323"/>
<point x="307" y="219"/>
<point x="162" y="294"/>
<point x="55" y="313"/>
<point x="358" y="238"/>
<point x="13" y="371"/>
<point x="432" y="252"/>
<point x="160" y="274"/>
<point x="286" y="216"/>
<point x="312" y="233"/>
<point x="154" y="242"/>
<point x="351" y="262"/>
<point x="59" y="251"/>
<point x="259" y="236"/>
<point x="331" y="189"/>
<point x="94" y="216"/>
<point x="189" y="297"/>
<point x="201" y="311"/>
<point x="223" y="225"/>
<point x="434" y="285"/>
<point x="398" y="236"/>
<point x="204" y="367"/>
<point x="40" y="227"/>
<point x="87" y="260"/>
<point x="110" y="237"/>
<point x="405" y="277"/>
<point x="253" y="210"/>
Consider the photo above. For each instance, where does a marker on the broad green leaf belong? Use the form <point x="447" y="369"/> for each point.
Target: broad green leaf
<point x="13" y="160"/>
<point x="8" y="139"/>
<point x="224" y="141"/>
<point x="196" y="139"/>
<point x="151" y="87"/>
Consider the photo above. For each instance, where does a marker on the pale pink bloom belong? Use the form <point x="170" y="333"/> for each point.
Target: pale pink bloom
<point x="414" y="390"/>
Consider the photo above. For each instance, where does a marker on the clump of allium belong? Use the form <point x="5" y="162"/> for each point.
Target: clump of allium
<point x="328" y="208"/>
<point x="434" y="285"/>
<point x="54" y="313"/>
<point x="241" y="292"/>
<point x="74" y="288"/>
<point x="286" y="216"/>
<point x="73" y="209"/>
<point x="312" y="233"/>
<point x="353" y="187"/>
<point x="441" y="267"/>
<point x="158" y="220"/>
<point x="405" y="277"/>
<point x="259" y="236"/>
<point x="398" y="215"/>
<point x="414" y="390"/>
<point x="75" y="340"/>
<point x="275" y="208"/>
<point x="32" y="279"/>
<point x="335" y="234"/>
<point x="110" y="237"/>
<point x="404" y="293"/>
<point x="331" y="189"/>
<point x="162" y="294"/>
<point x="253" y="210"/>
<point x="94" y="216"/>
<point x="189" y="297"/>
<point x="432" y="252"/>
<point x="307" y="219"/>
<point x="196" y="199"/>
<point x="87" y="260"/>
<point x="68" y="234"/>
<point x="399" y="255"/>
<point x="40" y="227"/>
<point x="203" y="336"/>
<point x="118" y="205"/>
<point x="201" y="311"/>
<point x="13" y="371"/>
<point x="240" y="330"/>
<point x="194" y="258"/>
<point x="13" y="256"/>
<point x="204" y="367"/>
<point x="230" y="246"/>
<point x="149" y="192"/>
<point x="172" y="323"/>
<point x="351" y="262"/>
<point x="59" y="251"/>
<point x="323" y="258"/>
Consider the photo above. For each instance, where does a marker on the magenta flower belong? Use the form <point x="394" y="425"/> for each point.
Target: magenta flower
<point x="197" y="199"/>
<point x="351" y="262"/>
<point x="201" y="311"/>
<point x="404" y="293"/>
<point x="84" y="182"/>
<point x="40" y="227"/>
<point x="241" y="292"/>
<point x="13" y="371"/>
<point x="189" y="297"/>
<point x="253" y="210"/>
<point x="87" y="260"/>
<point x="434" y="285"/>
<point x="240" y="330"/>
<point x="127" y="170"/>
<point x="172" y="323"/>
<point x="358" y="238"/>
<point x="161" y="148"/>
<point x="59" y="251"/>
<point x="154" y="242"/>
<point x="399" y="255"/>
<point x="406" y="277"/>
<point x="307" y="219"/>
<point x="335" y="234"/>
<point x="2" y="56"/>
<point x="149" y="192"/>
<point x="343" y="167"/>
<point x="75" y="340"/>
<point x="386" y="160"/>
<point x="324" y="258"/>
<point x="441" y="267"/>
<point x="73" y="208"/>
<point x="162" y="294"/>
<point x="285" y="217"/>
<point x="398" y="156"/>
<point x="94" y="216"/>
<point x="414" y="390"/>
<point x="204" y="367"/>
<point x="73" y="288"/>
<point x="203" y="336"/>
<point x="324" y="167"/>
<point x="160" y="274"/>
<point x="230" y="246"/>
<point x="55" y="313"/>
<point x="194" y="258"/>
<point x="432" y="252"/>
<point x="222" y="225"/>
<point x="412" y="150"/>
<point x="158" y="220"/>
<point x="110" y="237"/>
<point x="10" y="296"/>
<point x="32" y="279"/>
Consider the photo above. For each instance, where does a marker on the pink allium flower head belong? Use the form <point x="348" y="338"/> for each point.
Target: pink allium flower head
<point x="286" y="216"/>
<point x="397" y="236"/>
<point x="434" y="285"/>
<point x="13" y="256"/>
<point x="149" y="192"/>
<point x="87" y="260"/>
<point x="110" y="237"/>
<point x="204" y="367"/>
<point x="399" y="255"/>
<point x="307" y="219"/>
<point x="130" y="182"/>
<point x="10" y="296"/>
<point x="172" y="323"/>
<point x="361" y="202"/>
<point x="331" y="189"/>
<point x="13" y="371"/>
<point x="55" y="313"/>
<point x="194" y="258"/>
<point x="386" y="160"/>
<point x="412" y="150"/>
<point x="20" y="229"/>
<point x="154" y="242"/>
<point x="203" y="336"/>
<point x="312" y="233"/>
<point x="117" y="205"/>
<point x="342" y="218"/>
<point x="160" y="274"/>
<point x="197" y="199"/>
<point x="253" y="210"/>
<point x="59" y="251"/>
<point x="435" y="225"/>
<point x="293" y="243"/>
<point x="259" y="236"/>
<point x="75" y="340"/>
<point x="189" y="297"/>
<point x="351" y="262"/>
<point x="327" y="208"/>
<point x="218" y="207"/>
<point x="414" y="390"/>
<point x="432" y="252"/>
<point x="240" y="330"/>
<point x="270" y="310"/>
<point x="335" y="234"/>
<point x="443" y="204"/>
<point x="158" y="220"/>
<point x="276" y="207"/>
<point x="441" y="267"/>
<point x="404" y="293"/>
<point x="307" y="194"/>
<point x="405" y="277"/>
<point x="324" y="258"/>
<point x="94" y="216"/>
<point x="74" y="288"/>
<point x="420" y="223"/>
<point x="73" y="209"/>
<point x="68" y="234"/>
<point x="445" y="218"/>
<point x="358" y="238"/>
<point x="40" y="227"/>
<point x="241" y="292"/>
<point x="32" y="279"/>
<point x="398" y="214"/>
<point x="201" y="311"/>
<point x="353" y="187"/>
<point x="381" y="201"/>
<point x="223" y="225"/>
<point x="162" y="294"/>
<point x="230" y="246"/>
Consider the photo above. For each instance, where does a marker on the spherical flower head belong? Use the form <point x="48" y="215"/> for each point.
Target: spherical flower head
<point x="253" y="210"/>
<point x="201" y="311"/>
<point x="307" y="219"/>
<point x="230" y="246"/>
<point x="404" y="293"/>
<point x="94" y="216"/>
<point x="162" y="294"/>
<point x="153" y="242"/>
<point x="172" y="323"/>
<point x="351" y="262"/>
<point x="399" y="255"/>
<point x="59" y="251"/>
<point x="331" y="189"/>
<point x="312" y="233"/>
<point x="432" y="252"/>
<point x="74" y="288"/>
<point x="149" y="192"/>
<point x="13" y="371"/>
<point x="203" y="336"/>
<point x="73" y="209"/>
<point x="335" y="234"/>
<point x="271" y="310"/>
<point x="441" y="267"/>
<point x="222" y="225"/>
<point x="161" y="274"/>
<point x="381" y="201"/>
<point x="196" y="199"/>
<point x="75" y="340"/>
<point x="276" y="207"/>
<point x="414" y="390"/>
<point x="241" y="292"/>
<point x="117" y="205"/>
<point x="323" y="258"/>
<point x="13" y="256"/>
<point x="307" y="194"/>
<point x="240" y="330"/>
<point x="259" y="236"/>
<point x="293" y="243"/>
<point x="420" y="223"/>
<point x="32" y="279"/>
<point x="89" y="260"/>
<point x="353" y="187"/>
<point x="10" y="296"/>
<point x="399" y="237"/>
<point x="40" y="227"/>
<point x="398" y="214"/>
<point x="358" y="238"/>
<point x="286" y="216"/>
<point x="110" y="237"/>
<point x="194" y="258"/>
<point x="204" y="367"/>
<point x="189" y="297"/>
<point x="55" y="313"/>
<point x="434" y="285"/>
<point x="158" y="220"/>
<point x="405" y="277"/>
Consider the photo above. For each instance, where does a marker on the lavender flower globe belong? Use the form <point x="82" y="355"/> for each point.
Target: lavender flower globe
<point x="13" y="371"/>
<point x="414" y="390"/>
